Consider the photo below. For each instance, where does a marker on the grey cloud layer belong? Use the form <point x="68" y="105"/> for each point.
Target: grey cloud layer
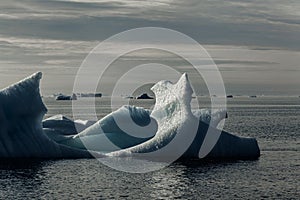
<point x="257" y="23"/>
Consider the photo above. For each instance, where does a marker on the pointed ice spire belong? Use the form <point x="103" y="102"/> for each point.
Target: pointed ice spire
<point x="33" y="80"/>
<point x="167" y="92"/>
<point x="23" y="97"/>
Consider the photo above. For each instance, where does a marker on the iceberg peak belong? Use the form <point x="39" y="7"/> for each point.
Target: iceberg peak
<point x="34" y="79"/>
<point x="166" y="92"/>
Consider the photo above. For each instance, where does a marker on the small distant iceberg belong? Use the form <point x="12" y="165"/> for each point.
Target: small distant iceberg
<point x="144" y="96"/>
<point x="23" y="134"/>
<point x="62" y="97"/>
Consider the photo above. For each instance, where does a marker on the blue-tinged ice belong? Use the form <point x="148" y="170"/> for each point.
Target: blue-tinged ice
<point x="21" y="131"/>
<point x="171" y="128"/>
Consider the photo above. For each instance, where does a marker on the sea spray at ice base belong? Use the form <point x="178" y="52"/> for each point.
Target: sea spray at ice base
<point x="22" y="134"/>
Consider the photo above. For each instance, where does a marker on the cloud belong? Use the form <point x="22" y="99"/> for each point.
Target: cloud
<point x="234" y="22"/>
<point x="39" y="30"/>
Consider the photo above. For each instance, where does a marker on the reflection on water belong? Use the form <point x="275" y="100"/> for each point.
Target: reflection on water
<point x="41" y="178"/>
<point x="274" y="122"/>
<point x="21" y="175"/>
<point x="83" y="178"/>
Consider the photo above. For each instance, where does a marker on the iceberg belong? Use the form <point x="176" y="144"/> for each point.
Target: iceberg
<point x="62" y="97"/>
<point x="144" y="96"/>
<point x="171" y="130"/>
<point x="21" y="131"/>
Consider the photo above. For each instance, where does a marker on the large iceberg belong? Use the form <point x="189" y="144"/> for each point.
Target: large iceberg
<point x="170" y="130"/>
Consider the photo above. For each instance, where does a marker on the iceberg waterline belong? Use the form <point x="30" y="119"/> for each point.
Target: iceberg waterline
<point x="171" y="124"/>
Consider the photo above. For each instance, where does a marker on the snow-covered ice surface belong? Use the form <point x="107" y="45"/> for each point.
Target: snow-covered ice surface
<point x="169" y="126"/>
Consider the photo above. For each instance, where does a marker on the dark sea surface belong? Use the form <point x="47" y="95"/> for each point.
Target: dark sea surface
<point x="273" y="121"/>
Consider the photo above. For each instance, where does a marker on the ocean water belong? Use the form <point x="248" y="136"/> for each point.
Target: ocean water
<point x="274" y="121"/>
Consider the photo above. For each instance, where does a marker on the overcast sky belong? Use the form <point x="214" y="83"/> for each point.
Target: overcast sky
<point x="255" y="43"/>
